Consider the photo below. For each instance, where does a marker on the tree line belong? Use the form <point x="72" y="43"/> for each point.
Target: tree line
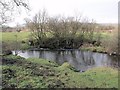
<point x="60" y="32"/>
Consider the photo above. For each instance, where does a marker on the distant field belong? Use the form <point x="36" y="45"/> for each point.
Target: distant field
<point x="10" y="36"/>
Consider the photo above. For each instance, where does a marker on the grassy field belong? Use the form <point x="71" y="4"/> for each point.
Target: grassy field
<point x="10" y="36"/>
<point x="40" y="73"/>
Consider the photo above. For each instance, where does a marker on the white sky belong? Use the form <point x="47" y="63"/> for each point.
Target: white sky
<point x="102" y="11"/>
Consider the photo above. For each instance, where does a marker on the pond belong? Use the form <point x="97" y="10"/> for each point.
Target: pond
<point x="81" y="60"/>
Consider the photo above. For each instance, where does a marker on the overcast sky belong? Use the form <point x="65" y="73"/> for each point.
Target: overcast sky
<point x="102" y="11"/>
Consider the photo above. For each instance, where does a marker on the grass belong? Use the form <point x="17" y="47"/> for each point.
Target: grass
<point x="9" y="39"/>
<point x="10" y="36"/>
<point x="99" y="49"/>
<point x="39" y="73"/>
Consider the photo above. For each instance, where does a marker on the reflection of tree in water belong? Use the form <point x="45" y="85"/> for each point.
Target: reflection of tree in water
<point x="91" y="60"/>
<point x="88" y="58"/>
<point x="83" y="59"/>
<point x="77" y="59"/>
<point x="113" y="61"/>
<point x="63" y="56"/>
<point x="57" y="57"/>
<point x="74" y="58"/>
<point x="40" y="54"/>
<point x="29" y="53"/>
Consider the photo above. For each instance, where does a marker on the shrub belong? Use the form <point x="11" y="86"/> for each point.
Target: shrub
<point x="7" y="52"/>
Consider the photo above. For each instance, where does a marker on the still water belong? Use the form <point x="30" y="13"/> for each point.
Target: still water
<point x="81" y="60"/>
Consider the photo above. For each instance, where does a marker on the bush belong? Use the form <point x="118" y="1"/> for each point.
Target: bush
<point x="22" y="41"/>
<point x="111" y="44"/>
<point x="7" y="52"/>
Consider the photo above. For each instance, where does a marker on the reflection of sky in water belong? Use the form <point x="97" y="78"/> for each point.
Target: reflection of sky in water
<point x="81" y="60"/>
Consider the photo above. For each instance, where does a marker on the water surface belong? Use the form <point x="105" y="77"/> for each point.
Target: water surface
<point x="81" y="60"/>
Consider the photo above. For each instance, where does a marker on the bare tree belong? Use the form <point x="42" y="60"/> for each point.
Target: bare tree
<point x="38" y="26"/>
<point x="10" y="7"/>
<point x="87" y="29"/>
<point x="64" y="30"/>
<point x="55" y="26"/>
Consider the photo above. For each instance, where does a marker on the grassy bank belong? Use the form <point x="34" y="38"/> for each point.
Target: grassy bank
<point x="99" y="49"/>
<point x="39" y="73"/>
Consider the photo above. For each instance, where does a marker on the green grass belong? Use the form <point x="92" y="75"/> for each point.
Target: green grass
<point x="9" y="39"/>
<point x="99" y="49"/>
<point x="102" y="36"/>
<point x="40" y="73"/>
<point x="10" y="36"/>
